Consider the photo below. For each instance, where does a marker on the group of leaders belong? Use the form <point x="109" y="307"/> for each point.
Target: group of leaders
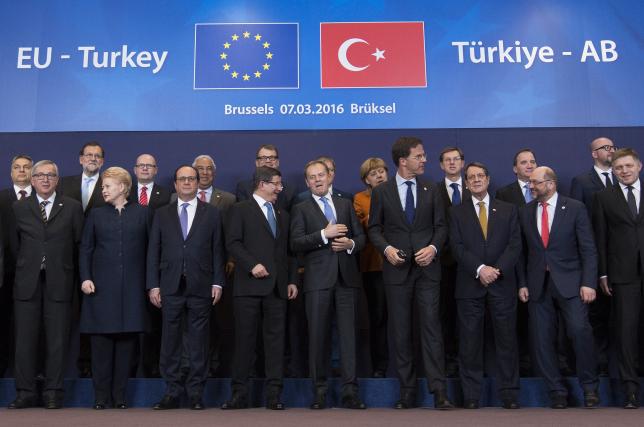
<point x="127" y="244"/>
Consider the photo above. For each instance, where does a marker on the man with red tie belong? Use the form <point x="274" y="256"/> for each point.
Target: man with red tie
<point x="148" y="193"/>
<point x="561" y="275"/>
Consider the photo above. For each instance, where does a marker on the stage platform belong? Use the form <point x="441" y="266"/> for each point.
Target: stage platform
<point x="376" y="393"/>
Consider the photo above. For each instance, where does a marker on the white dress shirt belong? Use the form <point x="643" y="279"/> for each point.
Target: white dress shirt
<point x="450" y="190"/>
<point x="552" y="205"/>
<point x="603" y="178"/>
<point x="191" y="209"/>
<point x="262" y="205"/>
<point x="49" y="205"/>
<point x="636" y="192"/>
<point x="149" y="187"/>
<point x="208" y="193"/>
<point x="402" y="190"/>
<point x="17" y="190"/>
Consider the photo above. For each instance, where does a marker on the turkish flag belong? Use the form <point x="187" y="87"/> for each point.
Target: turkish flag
<point x="372" y="54"/>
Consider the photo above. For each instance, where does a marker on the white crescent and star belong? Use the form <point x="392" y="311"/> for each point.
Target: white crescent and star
<point x="344" y="61"/>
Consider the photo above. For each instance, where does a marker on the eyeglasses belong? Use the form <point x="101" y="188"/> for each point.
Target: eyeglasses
<point x="93" y="156"/>
<point x="44" y="176"/>
<point x="419" y="157"/>
<point x="267" y="158"/>
<point x="145" y="166"/>
<point x="606" y="148"/>
<point x="186" y="179"/>
<point x="276" y="184"/>
<point x="535" y="183"/>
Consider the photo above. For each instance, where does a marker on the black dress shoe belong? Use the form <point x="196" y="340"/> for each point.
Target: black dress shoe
<point x="120" y="405"/>
<point x="558" y="402"/>
<point x="631" y="401"/>
<point x="166" y="402"/>
<point x="511" y="404"/>
<point x="352" y="401"/>
<point x="197" y="405"/>
<point x="471" y="404"/>
<point x="22" y="403"/>
<point x="591" y="399"/>
<point x="378" y="373"/>
<point x="236" y="402"/>
<point x="53" y="403"/>
<point x="441" y="401"/>
<point x="274" y="404"/>
<point x="319" y="401"/>
<point x="100" y="405"/>
<point x="406" y="402"/>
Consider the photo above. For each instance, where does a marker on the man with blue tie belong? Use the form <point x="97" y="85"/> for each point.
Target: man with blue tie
<point x="407" y="225"/>
<point x="185" y="276"/>
<point x="326" y="232"/>
<point x="561" y="275"/>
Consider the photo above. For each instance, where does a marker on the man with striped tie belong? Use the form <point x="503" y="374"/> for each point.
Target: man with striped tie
<point x="148" y="193"/>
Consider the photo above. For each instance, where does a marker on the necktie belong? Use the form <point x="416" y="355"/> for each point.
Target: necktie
<point x="183" y="219"/>
<point x="85" y="195"/>
<point x="328" y="212"/>
<point x="43" y="214"/>
<point x="202" y="196"/>
<point x="483" y="218"/>
<point x="410" y="206"/>
<point x="23" y="194"/>
<point x="456" y="196"/>
<point x="143" y="199"/>
<point x="527" y="195"/>
<point x="631" y="201"/>
<point x="607" y="181"/>
<point x="545" y="228"/>
<point x="271" y="218"/>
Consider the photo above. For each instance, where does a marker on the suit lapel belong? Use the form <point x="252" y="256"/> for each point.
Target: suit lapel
<point x="519" y="192"/>
<point x="259" y="213"/>
<point x="391" y="188"/>
<point x="492" y="218"/>
<point x="318" y="212"/>
<point x="560" y="214"/>
<point x="174" y="214"/>
<point x="622" y="204"/>
<point x="532" y="218"/>
<point x="471" y="209"/>
<point x="596" y="180"/>
<point x="199" y="214"/>
<point x="422" y="199"/>
<point x="56" y="207"/>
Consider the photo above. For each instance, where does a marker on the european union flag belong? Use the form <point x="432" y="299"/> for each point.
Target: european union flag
<point x="246" y="56"/>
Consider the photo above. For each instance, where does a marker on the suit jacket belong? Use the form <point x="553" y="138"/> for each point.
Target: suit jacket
<point x="200" y="256"/>
<point x="321" y="264"/>
<point x="620" y="237"/>
<point x="157" y="197"/>
<point x="71" y="186"/>
<point x="583" y="187"/>
<point x="245" y="189"/>
<point x="305" y="195"/>
<point x="501" y="249"/>
<point x="447" y="258"/>
<point x="9" y="236"/>
<point x="370" y="258"/>
<point x="511" y="193"/>
<point x="57" y="240"/>
<point x="571" y="255"/>
<point x="388" y="226"/>
<point x="250" y="241"/>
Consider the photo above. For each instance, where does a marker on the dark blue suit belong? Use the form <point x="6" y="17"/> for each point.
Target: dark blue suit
<point x="502" y="250"/>
<point x="554" y="277"/>
<point x="583" y="187"/>
<point x="185" y="271"/>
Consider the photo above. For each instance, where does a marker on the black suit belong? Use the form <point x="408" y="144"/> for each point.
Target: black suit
<point x="185" y="271"/>
<point x="250" y="242"/>
<point x="330" y="279"/>
<point x="502" y="250"/>
<point x="71" y="186"/>
<point x="158" y="196"/>
<point x="511" y="193"/>
<point x="620" y="240"/>
<point x="44" y="295"/>
<point x="554" y="276"/>
<point x="409" y="285"/>
<point x="244" y="191"/>
<point x="583" y="187"/>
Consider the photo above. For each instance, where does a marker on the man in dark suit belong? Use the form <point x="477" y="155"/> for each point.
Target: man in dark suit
<point x="185" y="275"/>
<point x="335" y="192"/>
<point x="21" y="179"/>
<point x="518" y="193"/>
<point x="86" y="188"/>
<point x="49" y="228"/>
<point x="265" y="276"/>
<point x="327" y="233"/>
<point x="583" y="188"/>
<point x="453" y="192"/>
<point x="148" y="193"/>
<point x="561" y="274"/>
<point x="618" y="220"/>
<point x="407" y="225"/>
<point x="267" y="155"/>
<point x="486" y="241"/>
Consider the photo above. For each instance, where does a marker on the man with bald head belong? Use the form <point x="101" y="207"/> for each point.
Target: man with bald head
<point x="148" y="193"/>
<point x="561" y="275"/>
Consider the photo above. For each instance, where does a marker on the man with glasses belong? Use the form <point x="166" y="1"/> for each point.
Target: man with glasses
<point x="561" y="274"/>
<point x="148" y="193"/>
<point x="185" y="276"/>
<point x="49" y="227"/>
<point x="21" y="180"/>
<point x="618" y="219"/>
<point x="407" y="225"/>
<point x="267" y="155"/>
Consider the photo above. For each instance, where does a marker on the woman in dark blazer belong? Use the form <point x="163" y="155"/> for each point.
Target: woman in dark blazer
<point x="112" y="270"/>
<point x="373" y="172"/>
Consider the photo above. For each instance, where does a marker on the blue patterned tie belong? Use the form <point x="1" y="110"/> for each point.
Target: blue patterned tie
<point x="527" y="194"/>
<point x="328" y="212"/>
<point x="410" y="206"/>
<point x="271" y="218"/>
<point x="183" y="219"/>
<point x="456" y="196"/>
